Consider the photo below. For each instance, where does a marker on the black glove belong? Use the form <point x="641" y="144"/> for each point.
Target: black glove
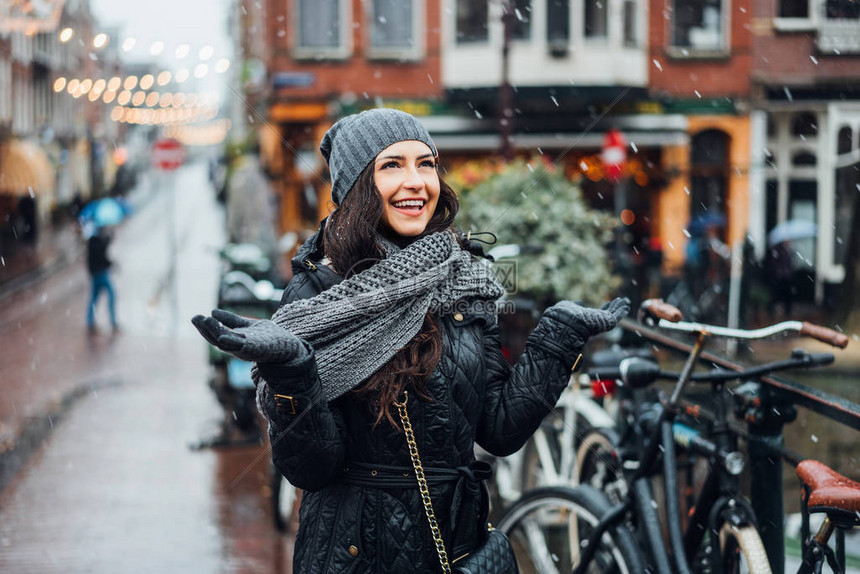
<point x="256" y="340"/>
<point x="585" y="322"/>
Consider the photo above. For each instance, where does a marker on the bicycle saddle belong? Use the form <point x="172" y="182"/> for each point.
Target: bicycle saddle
<point x="831" y="492"/>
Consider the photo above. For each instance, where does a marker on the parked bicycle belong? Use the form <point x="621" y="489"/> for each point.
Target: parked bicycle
<point x="556" y="528"/>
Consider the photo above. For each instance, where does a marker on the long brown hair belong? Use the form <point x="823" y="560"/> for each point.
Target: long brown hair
<point x="351" y="242"/>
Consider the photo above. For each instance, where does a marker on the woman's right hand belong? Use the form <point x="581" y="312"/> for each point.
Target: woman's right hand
<point x="255" y="340"/>
<point x="586" y="322"/>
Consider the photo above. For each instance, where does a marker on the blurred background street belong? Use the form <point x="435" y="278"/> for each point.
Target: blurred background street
<point x="97" y="429"/>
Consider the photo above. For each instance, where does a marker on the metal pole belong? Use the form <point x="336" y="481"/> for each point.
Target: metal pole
<point x="735" y="296"/>
<point x="170" y="188"/>
<point x="506" y="95"/>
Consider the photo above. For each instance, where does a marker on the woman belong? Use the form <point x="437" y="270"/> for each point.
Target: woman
<point x="388" y="307"/>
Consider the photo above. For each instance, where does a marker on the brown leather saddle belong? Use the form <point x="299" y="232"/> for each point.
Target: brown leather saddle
<point x="830" y="492"/>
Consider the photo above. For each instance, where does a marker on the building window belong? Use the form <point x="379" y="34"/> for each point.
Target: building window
<point x="472" y="21"/>
<point x="794" y="9"/>
<point x="698" y="25"/>
<point x="596" y="22"/>
<point x="393" y="28"/>
<point x="842" y="9"/>
<point x="844" y="140"/>
<point x="521" y="24"/>
<point x="630" y="39"/>
<point x="322" y="27"/>
<point x="804" y="125"/>
<point x="558" y="26"/>
<point x="804" y="159"/>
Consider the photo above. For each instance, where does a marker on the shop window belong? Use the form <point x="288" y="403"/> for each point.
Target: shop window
<point x="521" y="23"/>
<point x="844" y="141"/>
<point x="708" y="173"/>
<point x="804" y="124"/>
<point x="847" y="182"/>
<point x="558" y="26"/>
<point x="393" y="28"/>
<point x="472" y="19"/>
<point x="698" y="24"/>
<point x="596" y="21"/>
<point x="794" y="8"/>
<point x="804" y="159"/>
<point x="771" y="188"/>
<point x="802" y="200"/>
<point x="322" y="28"/>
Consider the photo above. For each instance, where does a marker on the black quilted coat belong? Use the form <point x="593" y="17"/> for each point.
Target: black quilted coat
<point x="357" y="526"/>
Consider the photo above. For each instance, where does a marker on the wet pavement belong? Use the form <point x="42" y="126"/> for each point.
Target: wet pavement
<point x="96" y="470"/>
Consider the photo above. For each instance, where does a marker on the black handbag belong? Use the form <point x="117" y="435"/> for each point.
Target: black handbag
<point x="494" y="556"/>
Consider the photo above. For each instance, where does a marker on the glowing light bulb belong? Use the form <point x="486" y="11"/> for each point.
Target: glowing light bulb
<point x="146" y="82"/>
<point x="59" y="84"/>
<point x="66" y="35"/>
<point x="205" y="53"/>
<point x="156" y="48"/>
<point x="100" y="40"/>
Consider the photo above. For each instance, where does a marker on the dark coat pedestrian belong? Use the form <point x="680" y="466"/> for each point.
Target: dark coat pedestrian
<point x="389" y="312"/>
<point x="99" y="265"/>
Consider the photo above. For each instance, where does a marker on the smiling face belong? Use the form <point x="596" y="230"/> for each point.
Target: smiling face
<point x="406" y="177"/>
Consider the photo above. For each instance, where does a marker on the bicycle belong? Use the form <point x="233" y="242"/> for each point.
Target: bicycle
<point x="740" y="545"/>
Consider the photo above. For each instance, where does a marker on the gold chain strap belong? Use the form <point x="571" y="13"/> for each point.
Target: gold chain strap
<point x="422" y="484"/>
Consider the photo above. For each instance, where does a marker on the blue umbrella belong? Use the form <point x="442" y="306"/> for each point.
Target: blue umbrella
<point x="791" y="230"/>
<point x="103" y="212"/>
<point x="705" y="220"/>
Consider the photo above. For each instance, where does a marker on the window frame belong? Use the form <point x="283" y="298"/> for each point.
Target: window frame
<point x="603" y="38"/>
<point x="341" y="52"/>
<point x="485" y="41"/>
<point x="415" y="52"/>
<point x="721" y="51"/>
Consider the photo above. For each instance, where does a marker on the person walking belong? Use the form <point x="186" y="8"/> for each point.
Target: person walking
<point x="382" y="368"/>
<point x="99" y="264"/>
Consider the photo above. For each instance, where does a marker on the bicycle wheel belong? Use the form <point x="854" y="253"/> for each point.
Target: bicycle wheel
<point x="742" y="550"/>
<point x="547" y="527"/>
<point x="598" y="465"/>
<point x="549" y="457"/>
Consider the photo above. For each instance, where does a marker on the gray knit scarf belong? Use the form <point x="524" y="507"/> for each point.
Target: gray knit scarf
<point x="359" y="324"/>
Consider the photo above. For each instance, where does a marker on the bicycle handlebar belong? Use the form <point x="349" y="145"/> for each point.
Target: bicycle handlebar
<point x="638" y="373"/>
<point x="656" y="309"/>
<point x="824" y="335"/>
<point x="818" y="332"/>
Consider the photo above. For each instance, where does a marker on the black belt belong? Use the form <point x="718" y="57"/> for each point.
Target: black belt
<point x="468" y="478"/>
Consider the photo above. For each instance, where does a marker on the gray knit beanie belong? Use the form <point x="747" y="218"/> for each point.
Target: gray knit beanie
<point x="354" y="141"/>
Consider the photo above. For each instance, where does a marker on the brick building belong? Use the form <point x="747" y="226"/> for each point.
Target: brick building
<point x="806" y="130"/>
<point x="329" y="58"/>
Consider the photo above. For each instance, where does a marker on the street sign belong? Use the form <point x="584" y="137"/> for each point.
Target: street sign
<point x="168" y="154"/>
<point x="614" y="154"/>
